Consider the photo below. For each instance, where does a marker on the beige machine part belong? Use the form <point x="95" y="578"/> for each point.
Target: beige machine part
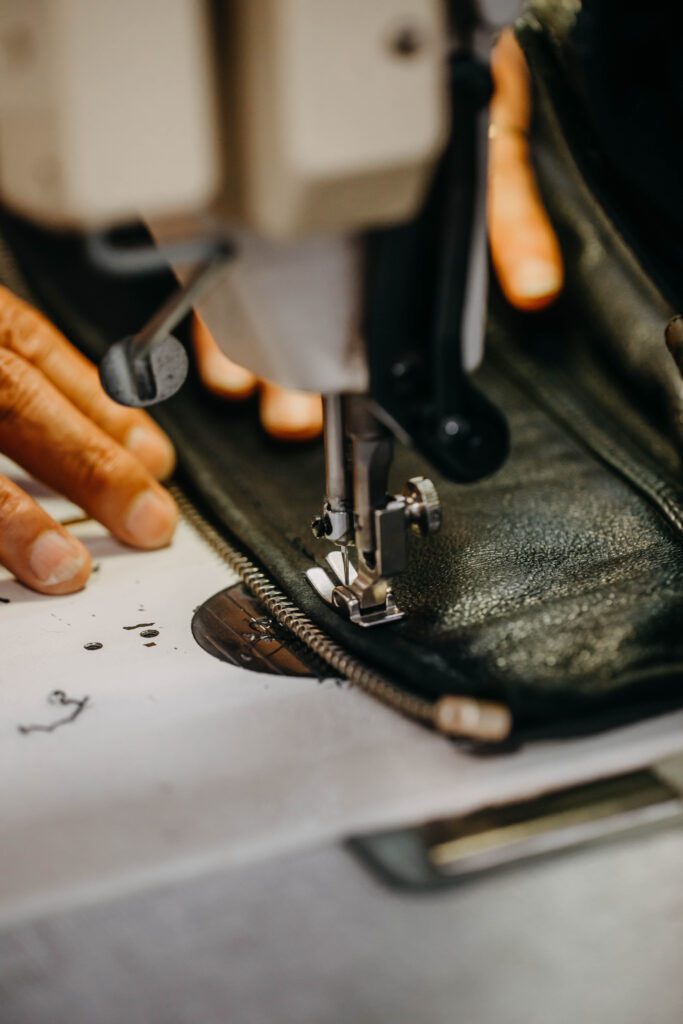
<point x="329" y="127"/>
<point x="106" y="108"/>
<point x="318" y="118"/>
<point x="109" y="108"/>
<point x="341" y="111"/>
<point x="289" y="311"/>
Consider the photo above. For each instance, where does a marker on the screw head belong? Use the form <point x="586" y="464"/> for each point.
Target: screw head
<point x="423" y="507"/>
<point x="407" y="41"/>
<point x="318" y="527"/>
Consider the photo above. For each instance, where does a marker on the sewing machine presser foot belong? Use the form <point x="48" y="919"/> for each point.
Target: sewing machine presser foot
<point x="339" y="587"/>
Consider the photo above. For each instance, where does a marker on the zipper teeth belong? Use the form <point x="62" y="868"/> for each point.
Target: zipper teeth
<point x="286" y="614"/>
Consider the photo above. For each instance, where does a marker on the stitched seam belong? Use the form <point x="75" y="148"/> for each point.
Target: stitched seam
<point x="594" y="437"/>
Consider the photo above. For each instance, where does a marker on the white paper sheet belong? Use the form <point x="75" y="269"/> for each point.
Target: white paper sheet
<point x="182" y="763"/>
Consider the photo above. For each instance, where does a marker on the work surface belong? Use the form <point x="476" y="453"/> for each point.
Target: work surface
<point x="187" y="785"/>
<point x="311" y="938"/>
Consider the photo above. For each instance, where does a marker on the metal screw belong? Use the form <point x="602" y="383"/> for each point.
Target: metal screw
<point x="318" y="527"/>
<point x="422" y="508"/>
<point x="407" y="41"/>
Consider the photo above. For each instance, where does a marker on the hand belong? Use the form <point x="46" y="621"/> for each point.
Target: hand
<point x="57" y="423"/>
<point x="524" y="249"/>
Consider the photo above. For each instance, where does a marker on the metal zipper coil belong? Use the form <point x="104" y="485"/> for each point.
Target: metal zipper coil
<point x="286" y="614"/>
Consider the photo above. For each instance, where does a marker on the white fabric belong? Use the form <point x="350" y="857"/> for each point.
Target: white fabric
<point x="182" y="763"/>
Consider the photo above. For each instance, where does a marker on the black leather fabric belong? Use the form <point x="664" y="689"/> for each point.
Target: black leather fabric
<point x="619" y="64"/>
<point x="556" y="585"/>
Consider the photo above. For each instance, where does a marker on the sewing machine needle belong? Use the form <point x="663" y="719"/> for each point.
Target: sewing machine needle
<point x="345" y="562"/>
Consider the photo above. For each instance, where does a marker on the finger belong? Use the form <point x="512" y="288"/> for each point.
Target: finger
<point x="56" y="442"/>
<point x="511" y="101"/>
<point x="290" y="415"/>
<point x="39" y="551"/>
<point x="218" y="373"/>
<point x="29" y="334"/>
<point x="524" y="249"/>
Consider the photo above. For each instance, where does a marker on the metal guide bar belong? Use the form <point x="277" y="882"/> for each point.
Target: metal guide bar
<point x="445" y="852"/>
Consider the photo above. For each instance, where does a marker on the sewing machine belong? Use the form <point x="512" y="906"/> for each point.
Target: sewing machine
<point x="324" y="162"/>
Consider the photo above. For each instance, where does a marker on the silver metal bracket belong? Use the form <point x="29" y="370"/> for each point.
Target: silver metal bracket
<point x="366" y="598"/>
<point x="336" y="589"/>
<point x="448" y="851"/>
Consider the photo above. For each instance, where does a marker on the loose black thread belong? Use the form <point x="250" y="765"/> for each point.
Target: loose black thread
<point x="58" y="697"/>
<point x="139" y="625"/>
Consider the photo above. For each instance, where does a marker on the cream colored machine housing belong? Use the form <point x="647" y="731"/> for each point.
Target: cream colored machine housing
<point x="332" y="111"/>
<point x="298" y="123"/>
<point x="342" y="111"/>
<point x="106" y="108"/>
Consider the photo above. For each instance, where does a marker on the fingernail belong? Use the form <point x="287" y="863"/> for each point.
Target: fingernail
<point x="293" y="414"/>
<point x="221" y="374"/>
<point x="151" y="519"/>
<point x="54" y="558"/>
<point x="536" y="279"/>
<point x="153" y="449"/>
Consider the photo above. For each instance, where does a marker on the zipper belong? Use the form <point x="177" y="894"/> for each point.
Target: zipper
<point x="450" y="715"/>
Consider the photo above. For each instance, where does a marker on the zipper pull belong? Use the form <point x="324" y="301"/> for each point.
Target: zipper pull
<point x="475" y="719"/>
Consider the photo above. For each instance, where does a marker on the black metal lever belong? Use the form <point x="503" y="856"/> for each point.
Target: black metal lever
<point x="150" y="366"/>
<point x="415" y="301"/>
